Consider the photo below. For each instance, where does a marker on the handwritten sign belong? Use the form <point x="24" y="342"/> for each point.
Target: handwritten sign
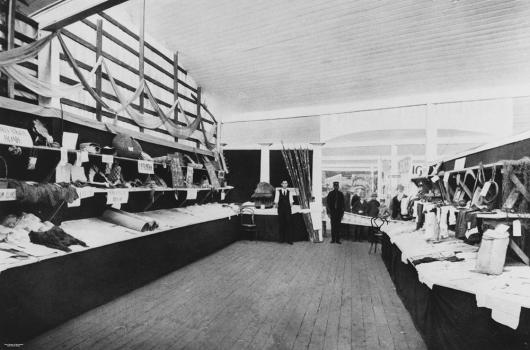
<point x="516" y="228"/>
<point x="8" y="194"/>
<point x="146" y="167"/>
<point x="84" y="156"/>
<point x="435" y="179"/>
<point x="15" y="136"/>
<point x="118" y="195"/>
<point x="85" y="192"/>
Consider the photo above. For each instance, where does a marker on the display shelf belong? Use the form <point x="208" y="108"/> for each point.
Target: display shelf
<point x="33" y="111"/>
<point x="73" y="151"/>
<point x="503" y="215"/>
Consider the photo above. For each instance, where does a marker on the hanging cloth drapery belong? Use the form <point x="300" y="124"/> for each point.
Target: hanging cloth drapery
<point x="24" y="53"/>
<point x="43" y="88"/>
<point x="175" y="130"/>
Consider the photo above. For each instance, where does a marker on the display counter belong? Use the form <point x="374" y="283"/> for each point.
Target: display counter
<point x="268" y="228"/>
<point x="41" y="292"/>
<point x="451" y="305"/>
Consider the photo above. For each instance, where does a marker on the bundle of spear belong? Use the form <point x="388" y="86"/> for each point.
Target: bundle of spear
<point x="298" y="166"/>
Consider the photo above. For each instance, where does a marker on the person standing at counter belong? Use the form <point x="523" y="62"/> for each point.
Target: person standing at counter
<point x="283" y="200"/>
<point x="335" y="208"/>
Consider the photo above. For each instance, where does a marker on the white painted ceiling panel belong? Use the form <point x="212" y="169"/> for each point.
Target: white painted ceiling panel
<point x="274" y="54"/>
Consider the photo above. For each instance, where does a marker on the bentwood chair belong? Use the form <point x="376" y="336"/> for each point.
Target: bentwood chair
<point x="376" y="235"/>
<point x="247" y="224"/>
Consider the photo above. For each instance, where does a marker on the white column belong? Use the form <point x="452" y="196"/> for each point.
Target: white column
<point x="49" y="69"/>
<point x="316" y="186"/>
<point x="264" y="175"/>
<point x="379" y="178"/>
<point x="394" y="168"/>
<point x="431" y="127"/>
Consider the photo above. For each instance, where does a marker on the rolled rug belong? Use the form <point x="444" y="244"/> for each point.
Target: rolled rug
<point x="152" y="224"/>
<point x="122" y="219"/>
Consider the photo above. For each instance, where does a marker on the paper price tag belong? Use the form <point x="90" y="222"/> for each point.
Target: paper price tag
<point x="485" y="189"/>
<point x="516" y="228"/>
<point x="15" y="136"/>
<point x="435" y="179"/>
<point x="64" y="156"/>
<point x="223" y="195"/>
<point x="78" y="158"/>
<point x="8" y="194"/>
<point x="146" y="167"/>
<point x="32" y="163"/>
<point x="107" y="158"/>
<point x="192" y="194"/>
<point x="460" y="163"/>
<point x="118" y="195"/>
<point x="85" y="192"/>
<point x="69" y="140"/>
<point x="84" y="156"/>
<point x="75" y="203"/>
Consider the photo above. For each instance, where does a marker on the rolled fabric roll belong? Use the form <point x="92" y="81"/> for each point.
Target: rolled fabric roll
<point x="122" y="219"/>
<point x="151" y="222"/>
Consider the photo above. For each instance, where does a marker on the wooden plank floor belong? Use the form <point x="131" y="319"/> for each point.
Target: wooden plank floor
<point x="254" y="295"/>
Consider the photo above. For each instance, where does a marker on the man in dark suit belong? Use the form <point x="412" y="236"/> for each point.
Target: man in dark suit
<point x="335" y="208"/>
<point x="360" y="208"/>
<point x="284" y="200"/>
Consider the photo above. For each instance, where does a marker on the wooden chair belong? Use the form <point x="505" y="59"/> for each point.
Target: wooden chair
<point x="247" y="224"/>
<point x="376" y="235"/>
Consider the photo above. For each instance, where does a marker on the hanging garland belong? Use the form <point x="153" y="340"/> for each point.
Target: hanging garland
<point x="9" y="59"/>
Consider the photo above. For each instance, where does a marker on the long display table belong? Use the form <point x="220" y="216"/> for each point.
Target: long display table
<point x="39" y="295"/>
<point x="443" y="297"/>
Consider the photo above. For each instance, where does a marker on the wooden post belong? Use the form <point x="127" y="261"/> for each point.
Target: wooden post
<point x="141" y="56"/>
<point x="176" y="85"/>
<point x="199" y="101"/>
<point x="99" y="52"/>
<point x="11" y="12"/>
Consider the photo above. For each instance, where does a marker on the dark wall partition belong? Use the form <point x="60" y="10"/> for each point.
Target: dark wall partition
<point x="244" y="171"/>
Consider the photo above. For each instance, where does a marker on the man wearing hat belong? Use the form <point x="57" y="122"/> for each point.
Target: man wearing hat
<point x="335" y="209"/>
<point x="283" y="200"/>
<point x="373" y="206"/>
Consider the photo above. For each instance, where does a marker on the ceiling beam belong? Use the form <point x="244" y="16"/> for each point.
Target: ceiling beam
<point x="62" y="13"/>
<point x="409" y="141"/>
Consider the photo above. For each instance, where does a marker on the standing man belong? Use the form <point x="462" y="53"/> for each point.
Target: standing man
<point x="283" y="200"/>
<point x="335" y="208"/>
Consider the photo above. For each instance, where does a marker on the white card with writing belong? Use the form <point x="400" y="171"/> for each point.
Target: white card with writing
<point x="146" y="167"/>
<point x="516" y="228"/>
<point x="460" y="163"/>
<point x="435" y="178"/>
<point x="15" y="136"/>
<point x="117" y="195"/>
<point x="69" y="140"/>
<point x="192" y="194"/>
<point x="223" y="195"/>
<point x="85" y="192"/>
<point x="8" y="194"/>
<point x="107" y="158"/>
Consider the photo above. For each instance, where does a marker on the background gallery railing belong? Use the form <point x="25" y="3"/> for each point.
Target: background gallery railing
<point x="103" y="36"/>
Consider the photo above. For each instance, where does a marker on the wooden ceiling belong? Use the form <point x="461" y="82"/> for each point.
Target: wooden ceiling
<point x="275" y="54"/>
